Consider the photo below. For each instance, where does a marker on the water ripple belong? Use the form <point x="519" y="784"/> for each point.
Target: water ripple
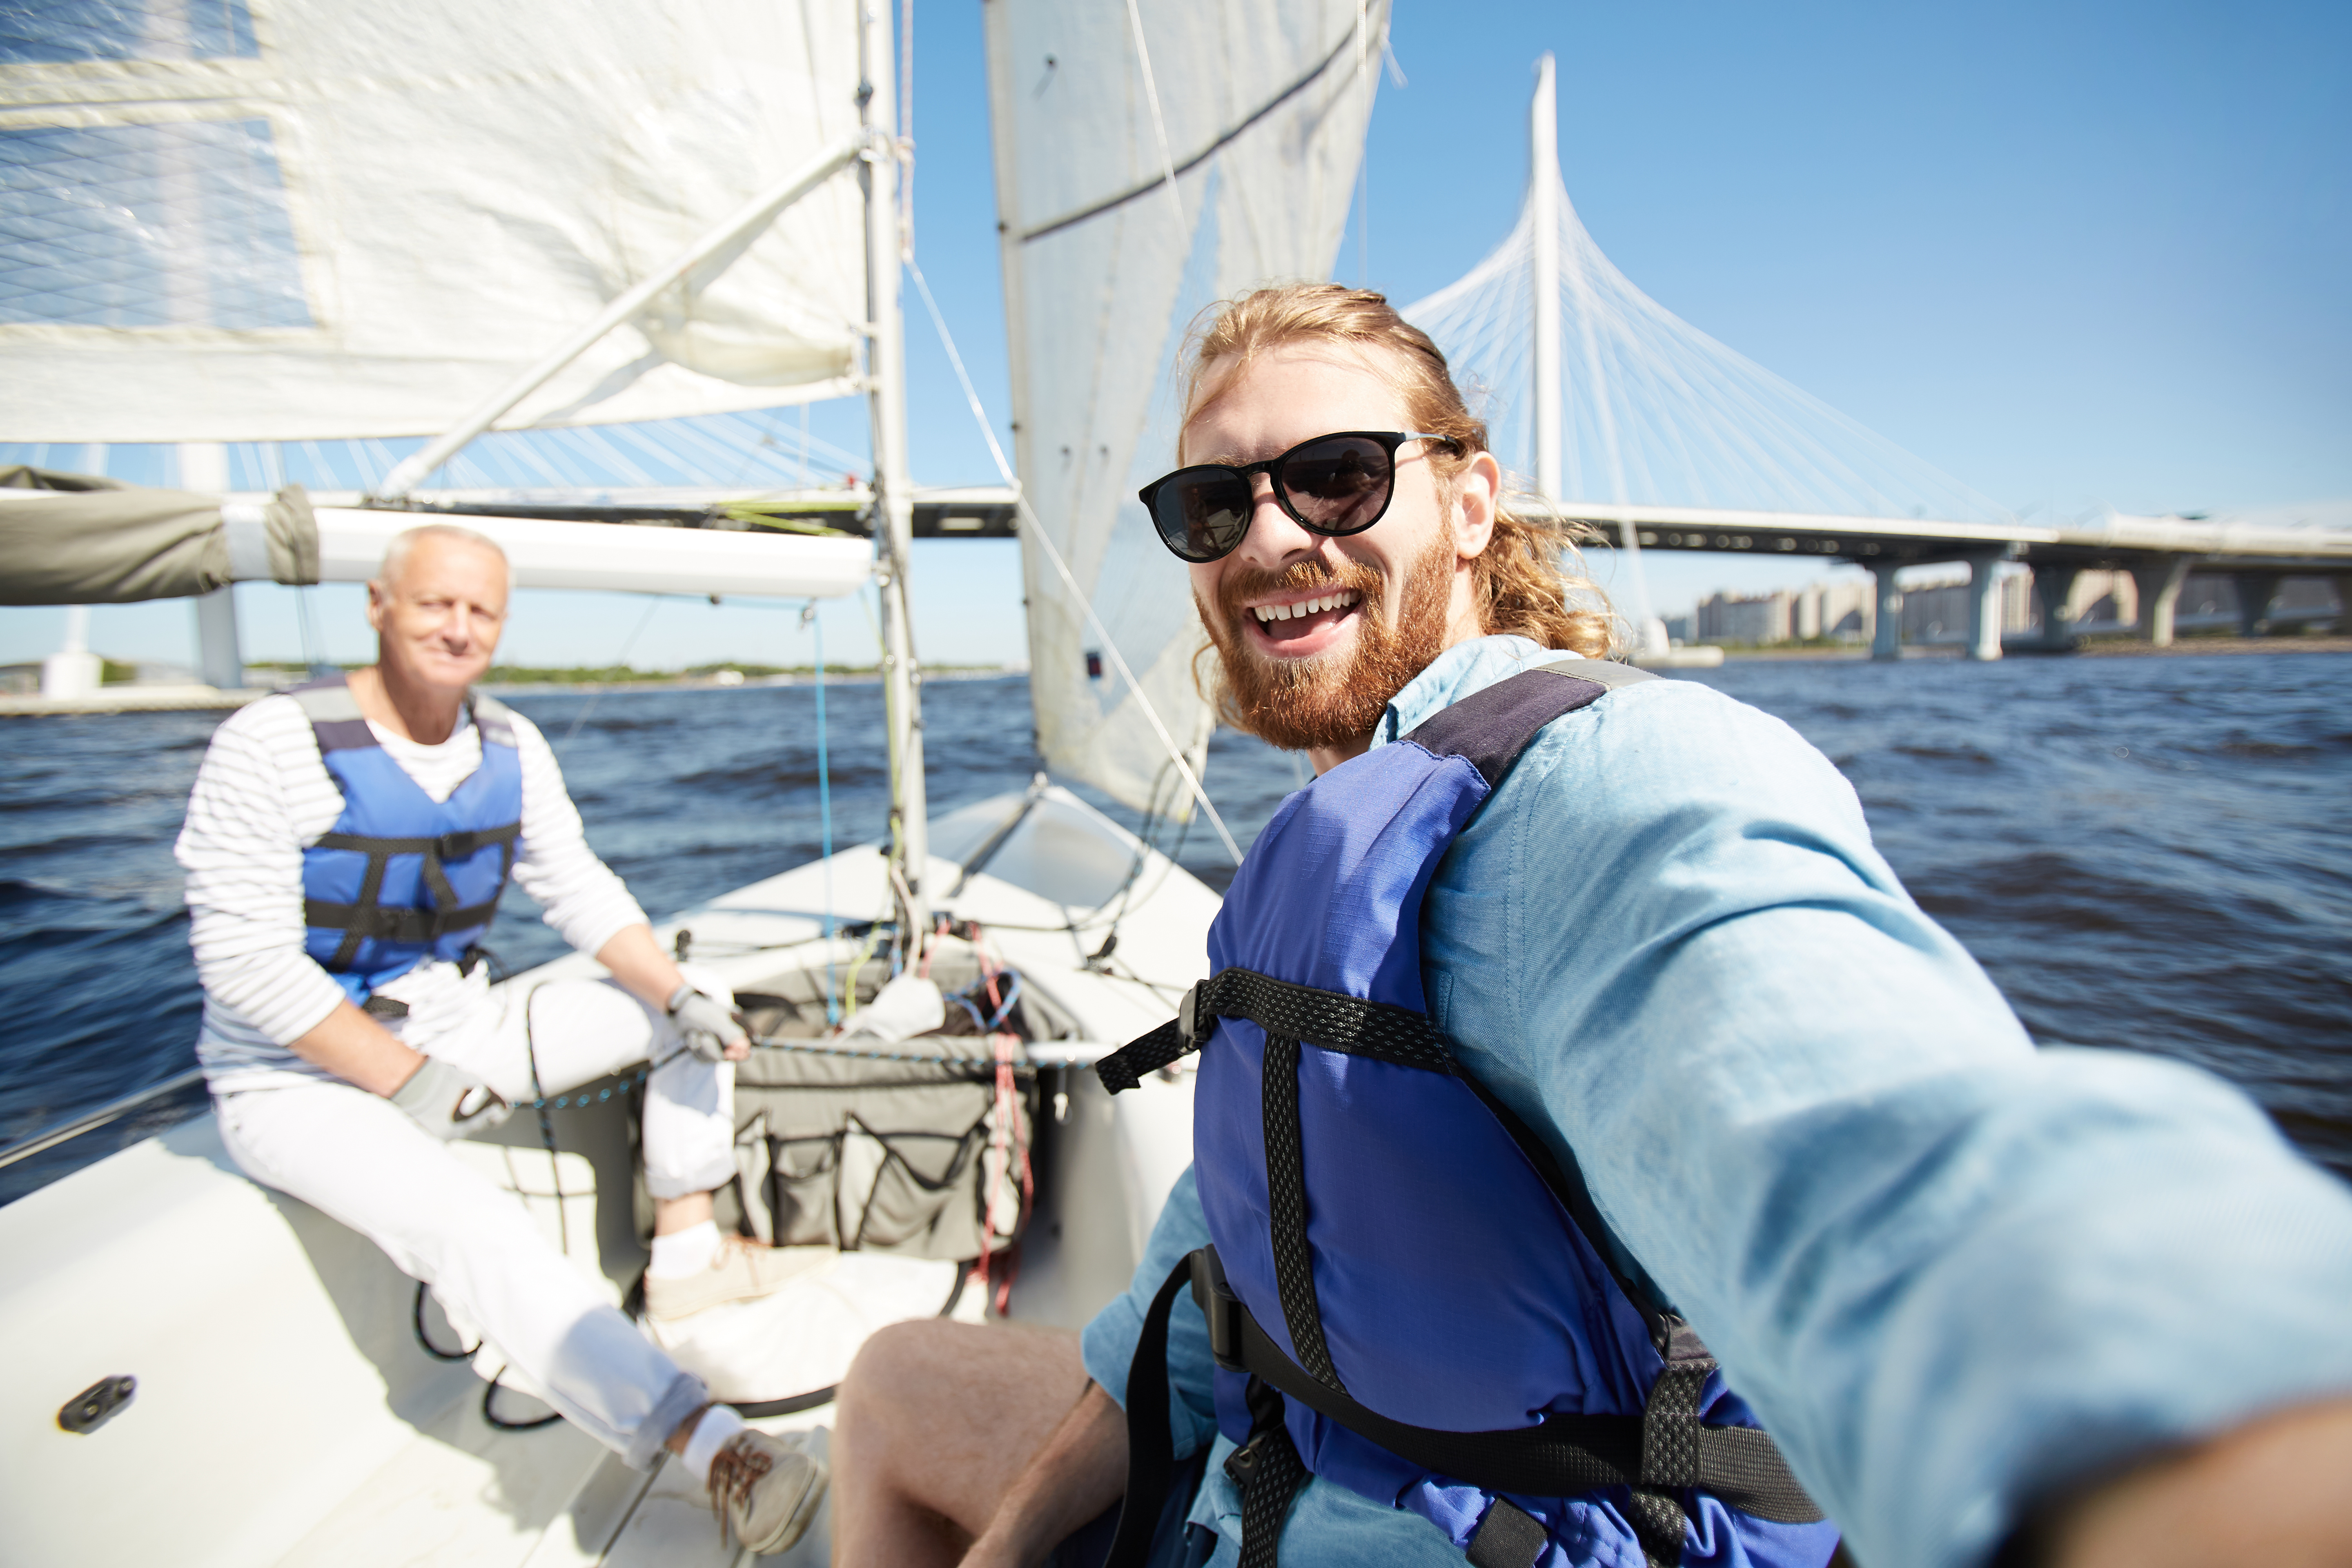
<point x="2145" y="854"/>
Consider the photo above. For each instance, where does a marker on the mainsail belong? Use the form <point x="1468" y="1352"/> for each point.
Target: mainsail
<point x="1151" y="158"/>
<point x="314" y="220"/>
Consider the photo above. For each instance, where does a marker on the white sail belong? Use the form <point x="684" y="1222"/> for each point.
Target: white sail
<point x="1258" y="108"/>
<point x="313" y="220"/>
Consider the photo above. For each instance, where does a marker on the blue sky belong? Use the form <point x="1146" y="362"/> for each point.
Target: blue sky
<point x="2068" y="252"/>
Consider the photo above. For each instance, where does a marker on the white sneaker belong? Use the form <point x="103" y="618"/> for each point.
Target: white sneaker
<point x="765" y="1490"/>
<point x="739" y="1271"/>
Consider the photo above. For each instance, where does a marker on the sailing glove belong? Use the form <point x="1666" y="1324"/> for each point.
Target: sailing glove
<point x="451" y="1102"/>
<point x="709" y="1026"/>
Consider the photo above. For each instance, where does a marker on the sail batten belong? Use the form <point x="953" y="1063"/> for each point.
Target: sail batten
<point x="1197" y="159"/>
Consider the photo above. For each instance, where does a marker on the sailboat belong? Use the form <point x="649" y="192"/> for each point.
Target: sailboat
<point x="331" y="224"/>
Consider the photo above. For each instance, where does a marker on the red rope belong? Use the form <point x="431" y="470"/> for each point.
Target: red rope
<point x="1003" y="1043"/>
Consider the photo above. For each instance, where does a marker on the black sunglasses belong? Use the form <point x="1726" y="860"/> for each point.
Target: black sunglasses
<point x="1333" y="485"/>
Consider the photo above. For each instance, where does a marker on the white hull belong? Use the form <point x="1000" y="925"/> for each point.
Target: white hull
<point x="285" y="1413"/>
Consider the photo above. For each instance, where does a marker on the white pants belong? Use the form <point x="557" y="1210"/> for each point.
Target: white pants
<point x="360" y="1159"/>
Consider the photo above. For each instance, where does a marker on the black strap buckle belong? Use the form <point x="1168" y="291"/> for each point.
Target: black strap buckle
<point x="1223" y="1309"/>
<point x="1243" y="1460"/>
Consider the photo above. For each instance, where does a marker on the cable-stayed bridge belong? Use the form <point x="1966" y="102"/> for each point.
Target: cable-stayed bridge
<point x="1621" y="415"/>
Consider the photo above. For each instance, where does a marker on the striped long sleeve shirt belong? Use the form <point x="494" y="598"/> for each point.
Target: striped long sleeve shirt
<point x="261" y="797"/>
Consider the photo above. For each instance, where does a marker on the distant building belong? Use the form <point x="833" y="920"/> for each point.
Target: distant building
<point x="1840" y="609"/>
<point x="1745" y="618"/>
<point x="1837" y="609"/>
<point x="1936" y="607"/>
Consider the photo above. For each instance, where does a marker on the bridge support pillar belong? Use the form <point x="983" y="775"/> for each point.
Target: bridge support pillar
<point x="1886" y="626"/>
<point x="2053" y="587"/>
<point x="2256" y="592"/>
<point x="2160" y="592"/>
<point x="1984" y="604"/>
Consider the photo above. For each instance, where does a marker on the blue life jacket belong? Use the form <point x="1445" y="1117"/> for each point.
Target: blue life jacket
<point x="402" y="878"/>
<point x="1406" y="1295"/>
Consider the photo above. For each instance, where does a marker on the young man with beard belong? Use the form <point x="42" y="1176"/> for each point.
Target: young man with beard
<point x="2055" y="1306"/>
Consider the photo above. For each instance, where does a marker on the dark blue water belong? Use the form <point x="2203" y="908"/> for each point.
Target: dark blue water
<point x="2145" y="853"/>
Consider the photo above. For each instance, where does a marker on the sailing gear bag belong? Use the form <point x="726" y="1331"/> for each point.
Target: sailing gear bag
<point x="918" y="1148"/>
<point x="402" y="878"/>
<point x="1406" y="1294"/>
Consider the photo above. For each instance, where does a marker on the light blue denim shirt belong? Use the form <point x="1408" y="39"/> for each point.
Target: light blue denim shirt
<point x="1948" y="1270"/>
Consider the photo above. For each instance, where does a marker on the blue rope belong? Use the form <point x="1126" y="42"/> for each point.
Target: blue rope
<point x="1012" y="994"/>
<point x="824" y="822"/>
<point x="568" y="1102"/>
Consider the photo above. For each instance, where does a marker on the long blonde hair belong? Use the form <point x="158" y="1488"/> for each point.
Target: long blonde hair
<point x="1523" y="582"/>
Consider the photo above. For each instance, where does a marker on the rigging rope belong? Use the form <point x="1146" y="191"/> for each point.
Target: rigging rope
<point x="824" y="816"/>
<point x="622" y="660"/>
<point x="1158" y="125"/>
<point x="1033" y="529"/>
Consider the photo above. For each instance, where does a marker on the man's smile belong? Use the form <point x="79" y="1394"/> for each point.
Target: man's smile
<point x="1300" y="626"/>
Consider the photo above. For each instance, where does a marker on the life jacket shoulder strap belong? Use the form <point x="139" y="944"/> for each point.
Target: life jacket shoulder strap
<point x="494" y="719"/>
<point x="1606" y="672"/>
<point x="1326" y="1019"/>
<point x="335" y="717"/>
<point x="1490" y="727"/>
<point x="334" y="714"/>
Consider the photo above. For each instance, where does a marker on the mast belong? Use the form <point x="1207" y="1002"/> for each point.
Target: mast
<point x="1003" y="134"/>
<point x="894" y="502"/>
<point x="1543" y="212"/>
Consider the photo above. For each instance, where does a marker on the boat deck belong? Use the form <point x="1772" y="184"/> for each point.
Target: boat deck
<point x="285" y="1413"/>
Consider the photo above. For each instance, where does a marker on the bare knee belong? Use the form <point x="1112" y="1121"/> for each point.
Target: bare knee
<point x="907" y="1366"/>
<point x="941" y="1415"/>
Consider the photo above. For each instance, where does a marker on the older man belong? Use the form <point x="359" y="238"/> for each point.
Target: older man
<point x="1566" y="1017"/>
<point x="345" y="847"/>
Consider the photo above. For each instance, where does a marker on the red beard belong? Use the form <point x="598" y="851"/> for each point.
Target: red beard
<point x="1333" y="699"/>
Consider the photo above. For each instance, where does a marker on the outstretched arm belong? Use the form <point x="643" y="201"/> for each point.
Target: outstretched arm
<point x="1954" y="1275"/>
<point x="2269" y="1491"/>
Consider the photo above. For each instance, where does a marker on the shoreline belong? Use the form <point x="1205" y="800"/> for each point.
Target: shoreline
<point x="188" y="698"/>
<point x="206" y="699"/>
<point x="749" y="683"/>
<point x="2117" y="648"/>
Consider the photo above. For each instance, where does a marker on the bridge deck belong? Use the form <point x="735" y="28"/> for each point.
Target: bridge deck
<point x="2115" y="541"/>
